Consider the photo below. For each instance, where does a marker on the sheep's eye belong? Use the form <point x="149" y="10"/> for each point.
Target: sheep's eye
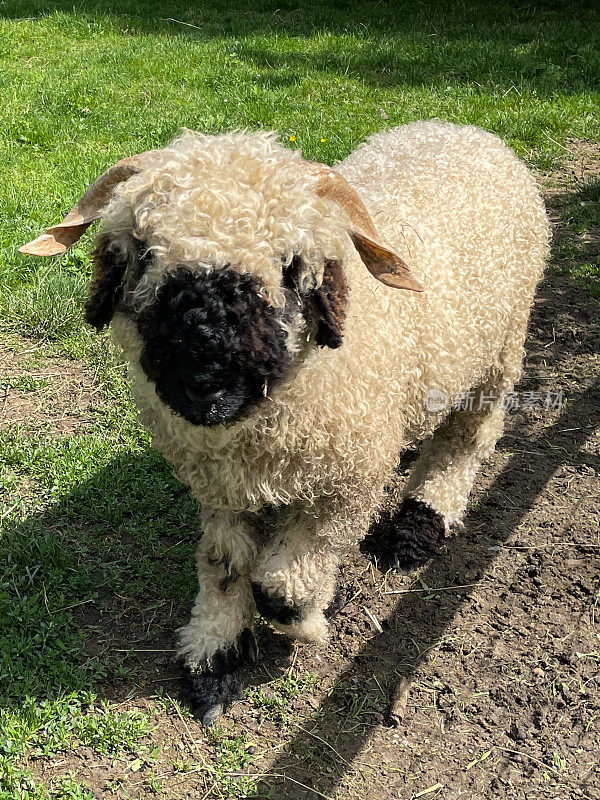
<point x="142" y="259"/>
<point x="291" y="273"/>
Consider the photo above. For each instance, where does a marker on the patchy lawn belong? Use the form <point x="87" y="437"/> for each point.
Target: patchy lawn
<point x="498" y="637"/>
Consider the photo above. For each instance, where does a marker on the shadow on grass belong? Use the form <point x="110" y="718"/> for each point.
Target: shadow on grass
<point x="103" y="572"/>
<point x="93" y="589"/>
<point x="577" y="241"/>
<point x="544" y="49"/>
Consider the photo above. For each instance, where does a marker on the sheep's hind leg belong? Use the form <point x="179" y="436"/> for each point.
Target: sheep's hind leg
<point x="218" y="640"/>
<point x="440" y="482"/>
<point x="293" y="581"/>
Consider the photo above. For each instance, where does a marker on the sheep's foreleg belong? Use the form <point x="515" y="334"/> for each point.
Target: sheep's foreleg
<point x="293" y="581"/>
<point x="219" y="639"/>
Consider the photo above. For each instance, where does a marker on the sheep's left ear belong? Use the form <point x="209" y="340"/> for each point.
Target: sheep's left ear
<point x="384" y="264"/>
<point x="381" y="261"/>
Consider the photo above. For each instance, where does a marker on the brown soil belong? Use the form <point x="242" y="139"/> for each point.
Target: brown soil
<point x="59" y="395"/>
<point x="498" y="637"/>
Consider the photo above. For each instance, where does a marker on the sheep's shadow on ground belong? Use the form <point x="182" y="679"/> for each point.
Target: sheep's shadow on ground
<point x="450" y="47"/>
<point x="401" y="647"/>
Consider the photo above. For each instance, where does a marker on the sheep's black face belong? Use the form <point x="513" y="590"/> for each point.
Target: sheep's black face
<point x="211" y="344"/>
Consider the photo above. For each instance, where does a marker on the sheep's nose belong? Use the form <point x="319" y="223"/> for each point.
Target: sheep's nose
<point x="202" y="398"/>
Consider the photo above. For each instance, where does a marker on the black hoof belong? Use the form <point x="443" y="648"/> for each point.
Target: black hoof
<point x="210" y="688"/>
<point x="406" y="538"/>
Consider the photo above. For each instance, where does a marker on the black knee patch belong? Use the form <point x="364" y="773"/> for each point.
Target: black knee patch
<point x="211" y="687"/>
<point x="275" y="608"/>
<point x="242" y="652"/>
<point x="407" y="537"/>
<point x="231" y="573"/>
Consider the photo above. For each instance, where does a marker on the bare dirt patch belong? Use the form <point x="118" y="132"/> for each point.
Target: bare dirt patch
<point x="46" y="393"/>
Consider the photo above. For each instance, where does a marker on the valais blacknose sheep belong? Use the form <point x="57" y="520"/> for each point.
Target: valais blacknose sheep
<point x="291" y="329"/>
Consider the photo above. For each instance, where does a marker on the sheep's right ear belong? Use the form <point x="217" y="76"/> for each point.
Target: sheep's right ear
<point x="89" y="207"/>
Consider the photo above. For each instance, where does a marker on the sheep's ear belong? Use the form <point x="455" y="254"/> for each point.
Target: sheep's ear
<point x="109" y="266"/>
<point x="329" y="302"/>
<point x="384" y="264"/>
<point x="88" y="208"/>
<point x="381" y="261"/>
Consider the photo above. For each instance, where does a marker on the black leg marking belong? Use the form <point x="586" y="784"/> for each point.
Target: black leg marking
<point x="231" y="577"/>
<point x="276" y="608"/>
<point x="407" y="537"/>
<point x="210" y="688"/>
<point x="231" y="573"/>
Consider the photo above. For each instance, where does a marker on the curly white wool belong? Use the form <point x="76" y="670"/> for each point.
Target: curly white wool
<point x="461" y="209"/>
<point x="467" y="216"/>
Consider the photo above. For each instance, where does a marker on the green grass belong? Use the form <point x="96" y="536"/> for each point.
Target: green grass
<point x="94" y="520"/>
<point x="86" y="519"/>
<point x="39" y="729"/>
<point x="88" y="83"/>
<point x="578" y="254"/>
<point x="274" y="700"/>
<point x="85" y="523"/>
